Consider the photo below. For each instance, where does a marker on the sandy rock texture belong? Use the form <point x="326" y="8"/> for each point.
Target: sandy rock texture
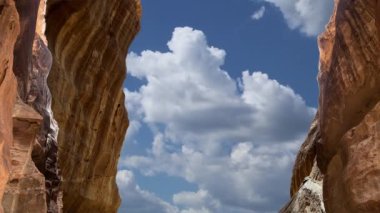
<point x="29" y="185"/>
<point x="9" y="21"/>
<point x="82" y="46"/>
<point x="25" y="191"/>
<point x="346" y="142"/>
<point x="309" y="196"/>
<point x="89" y="42"/>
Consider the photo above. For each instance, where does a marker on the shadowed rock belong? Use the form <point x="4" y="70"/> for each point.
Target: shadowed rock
<point x="85" y="56"/>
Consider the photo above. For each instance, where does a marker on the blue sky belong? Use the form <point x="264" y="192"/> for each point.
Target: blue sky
<point x="220" y="94"/>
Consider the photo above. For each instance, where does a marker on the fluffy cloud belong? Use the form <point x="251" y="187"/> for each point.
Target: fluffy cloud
<point x="309" y="16"/>
<point x="235" y="139"/>
<point x="137" y="200"/>
<point x="196" y="202"/>
<point x="258" y="14"/>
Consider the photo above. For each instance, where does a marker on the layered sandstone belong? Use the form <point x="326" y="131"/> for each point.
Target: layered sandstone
<point x="9" y="21"/>
<point x="84" y="51"/>
<point x="89" y="42"/>
<point x="25" y="191"/>
<point x="347" y="144"/>
<point x="28" y="189"/>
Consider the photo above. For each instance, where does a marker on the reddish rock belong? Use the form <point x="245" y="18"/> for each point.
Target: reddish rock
<point x="89" y="41"/>
<point x="349" y="72"/>
<point x="9" y="23"/>
<point x="353" y="176"/>
<point x="347" y="149"/>
<point x="25" y="191"/>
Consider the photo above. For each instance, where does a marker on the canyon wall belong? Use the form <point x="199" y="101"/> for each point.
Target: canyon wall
<point x="89" y="42"/>
<point x="343" y="144"/>
<point x="83" y="52"/>
<point x="9" y="21"/>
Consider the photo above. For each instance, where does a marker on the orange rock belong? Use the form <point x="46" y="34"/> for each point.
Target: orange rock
<point x="305" y="158"/>
<point x="357" y="168"/>
<point x="349" y="113"/>
<point x="349" y="72"/>
<point x="378" y="18"/>
<point x="9" y="30"/>
<point x="25" y="191"/>
<point x="89" y="42"/>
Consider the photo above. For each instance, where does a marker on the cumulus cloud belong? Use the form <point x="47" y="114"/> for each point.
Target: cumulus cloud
<point x="309" y="16"/>
<point x="137" y="200"/>
<point x="235" y="139"/>
<point x="199" y="201"/>
<point x="133" y="128"/>
<point x="258" y="14"/>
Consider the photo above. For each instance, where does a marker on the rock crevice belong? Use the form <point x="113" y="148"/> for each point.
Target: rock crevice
<point x="83" y="52"/>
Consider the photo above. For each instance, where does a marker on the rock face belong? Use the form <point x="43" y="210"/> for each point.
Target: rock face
<point x="346" y="145"/>
<point x="9" y="22"/>
<point x="33" y="130"/>
<point x="309" y="197"/>
<point x="89" y="42"/>
<point x="84" y="50"/>
<point x="25" y="191"/>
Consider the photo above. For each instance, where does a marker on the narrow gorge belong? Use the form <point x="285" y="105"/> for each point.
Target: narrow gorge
<point x="60" y="147"/>
<point x="63" y="119"/>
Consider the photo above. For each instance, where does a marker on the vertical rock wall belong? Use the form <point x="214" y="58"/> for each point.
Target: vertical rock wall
<point x="89" y="42"/>
<point x="25" y="191"/>
<point x="28" y="189"/>
<point x="347" y="146"/>
<point x="9" y="22"/>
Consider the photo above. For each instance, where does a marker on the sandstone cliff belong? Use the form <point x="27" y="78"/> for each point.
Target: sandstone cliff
<point x="9" y="21"/>
<point x="343" y="143"/>
<point x="84" y="50"/>
<point x="89" y="42"/>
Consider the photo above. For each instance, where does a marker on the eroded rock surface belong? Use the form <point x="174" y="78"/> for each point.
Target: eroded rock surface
<point x="88" y="42"/>
<point x="32" y="134"/>
<point x="305" y="158"/>
<point x="309" y="196"/>
<point x="347" y="146"/>
<point x="25" y="191"/>
<point x="9" y="21"/>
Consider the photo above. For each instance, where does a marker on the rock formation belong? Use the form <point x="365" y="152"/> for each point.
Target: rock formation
<point x="9" y="21"/>
<point x="84" y="49"/>
<point x="89" y="42"/>
<point x="25" y="191"/>
<point x="343" y="143"/>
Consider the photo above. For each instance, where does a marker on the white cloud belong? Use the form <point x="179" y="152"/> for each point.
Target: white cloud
<point x="133" y="128"/>
<point x="258" y="14"/>
<point x="309" y="16"/>
<point x="252" y="179"/>
<point x="199" y="201"/>
<point x="236" y="141"/>
<point x="136" y="200"/>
